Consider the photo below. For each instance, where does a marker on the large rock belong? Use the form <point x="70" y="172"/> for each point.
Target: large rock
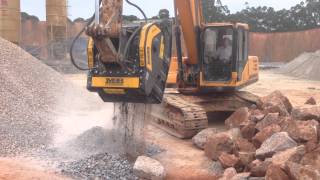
<point x="311" y="101"/>
<point x="249" y="131"/>
<point x="275" y="172"/>
<point x="276" y="102"/>
<point x="271" y="118"/>
<point x="229" y="160"/>
<point x="237" y="118"/>
<point x="246" y="158"/>
<point x="201" y="138"/>
<point x="298" y="172"/>
<point x="243" y="145"/>
<point x="306" y="112"/>
<point x="217" y="144"/>
<point x="149" y="169"/>
<point x="259" y="168"/>
<point x="312" y="158"/>
<point x="303" y="131"/>
<point x="293" y="155"/>
<point x="264" y="134"/>
<point x="228" y="174"/>
<point x="276" y="143"/>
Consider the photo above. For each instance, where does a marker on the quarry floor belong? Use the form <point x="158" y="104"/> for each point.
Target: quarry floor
<point x="181" y="159"/>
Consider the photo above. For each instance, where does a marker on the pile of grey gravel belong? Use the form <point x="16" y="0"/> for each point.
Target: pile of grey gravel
<point x="28" y="92"/>
<point x="101" y="166"/>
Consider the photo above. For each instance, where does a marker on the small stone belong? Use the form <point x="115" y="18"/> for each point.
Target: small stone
<point x="249" y="131"/>
<point x="271" y="118"/>
<point x="241" y="176"/>
<point x="228" y="160"/>
<point x="148" y="168"/>
<point x="243" y="145"/>
<point x="303" y="131"/>
<point x="306" y="112"/>
<point x="297" y="171"/>
<point x="217" y="144"/>
<point x="256" y="116"/>
<point x="311" y="101"/>
<point x="237" y="118"/>
<point x="264" y="134"/>
<point x="275" y="102"/>
<point x="200" y="139"/>
<point x="246" y="157"/>
<point x="312" y="158"/>
<point x="259" y="168"/>
<point x="294" y="155"/>
<point x="216" y="168"/>
<point x="228" y="174"/>
<point x="276" y="143"/>
<point x="275" y="172"/>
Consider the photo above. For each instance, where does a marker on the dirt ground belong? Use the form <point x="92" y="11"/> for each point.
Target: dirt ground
<point x="181" y="159"/>
<point x="22" y="169"/>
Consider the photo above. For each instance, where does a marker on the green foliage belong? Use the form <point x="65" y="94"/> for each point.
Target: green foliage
<point x="305" y="15"/>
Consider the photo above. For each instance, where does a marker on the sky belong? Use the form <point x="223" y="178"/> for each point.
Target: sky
<point x="85" y="8"/>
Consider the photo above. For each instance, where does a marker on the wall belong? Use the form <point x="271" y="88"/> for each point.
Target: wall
<point x="284" y="46"/>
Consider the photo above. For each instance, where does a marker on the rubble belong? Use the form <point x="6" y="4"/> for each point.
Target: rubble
<point x="264" y="134"/>
<point x="275" y="102"/>
<point x="149" y="169"/>
<point x="287" y="139"/>
<point x="237" y="118"/>
<point x="217" y="144"/>
<point x="311" y="101"/>
<point x="293" y="155"/>
<point x="228" y="160"/>
<point x="201" y="138"/>
<point x="276" y="143"/>
<point x="306" y="112"/>
<point x="275" y="172"/>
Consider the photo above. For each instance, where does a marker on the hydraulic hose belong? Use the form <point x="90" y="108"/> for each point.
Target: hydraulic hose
<point x="89" y="22"/>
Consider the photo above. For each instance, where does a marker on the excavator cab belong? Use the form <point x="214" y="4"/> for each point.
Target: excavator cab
<point x="224" y="57"/>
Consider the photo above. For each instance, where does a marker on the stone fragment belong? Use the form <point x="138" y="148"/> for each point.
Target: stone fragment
<point x="276" y="102"/>
<point x="249" y="131"/>
<point x="246" y="157"/>
<point x="241" y="176"/>
<point x="298" y="172"/>
<point x="228" y="174"/>
<point x="306" y="112"/>
<point x="243" y="145"/>
<point x="312" y="158"/>
<point x="200" y="139"/>
<point x="264" y="134"/>
<point x="148" y="168"/>
<point x="259" y="168"/>
<point x="256" y="116"/>
<point x="216" y="168"/>
<point x="271" y="118"/>
<point x="293" y="155"/>
<point x="237" y="118"/>
<point x="217" y="144"/>
<point x="276" y="143"/>
<point x="311" y="101"/>
<point x="229" y="160"/>
<point x="303" y="131"/>
<point x="275" y="172"/>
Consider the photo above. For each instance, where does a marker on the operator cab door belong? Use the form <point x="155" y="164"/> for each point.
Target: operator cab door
<point x="242" y="51"/>
<point x="218" y="54"/>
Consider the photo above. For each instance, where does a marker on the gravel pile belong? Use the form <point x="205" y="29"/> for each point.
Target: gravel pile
<point x="101" y="166"/>
<point x="306" y="66"/>
<point x="27" y="94"/>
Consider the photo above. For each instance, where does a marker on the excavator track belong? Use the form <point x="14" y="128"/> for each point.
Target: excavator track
<point x="184" y="116"/>
<point x="179" y="117"/>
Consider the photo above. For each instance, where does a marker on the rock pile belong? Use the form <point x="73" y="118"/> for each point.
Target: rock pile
<point x="272" y="140"/>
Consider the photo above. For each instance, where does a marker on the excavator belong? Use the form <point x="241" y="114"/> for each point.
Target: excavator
<point x="185" y="68"/>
